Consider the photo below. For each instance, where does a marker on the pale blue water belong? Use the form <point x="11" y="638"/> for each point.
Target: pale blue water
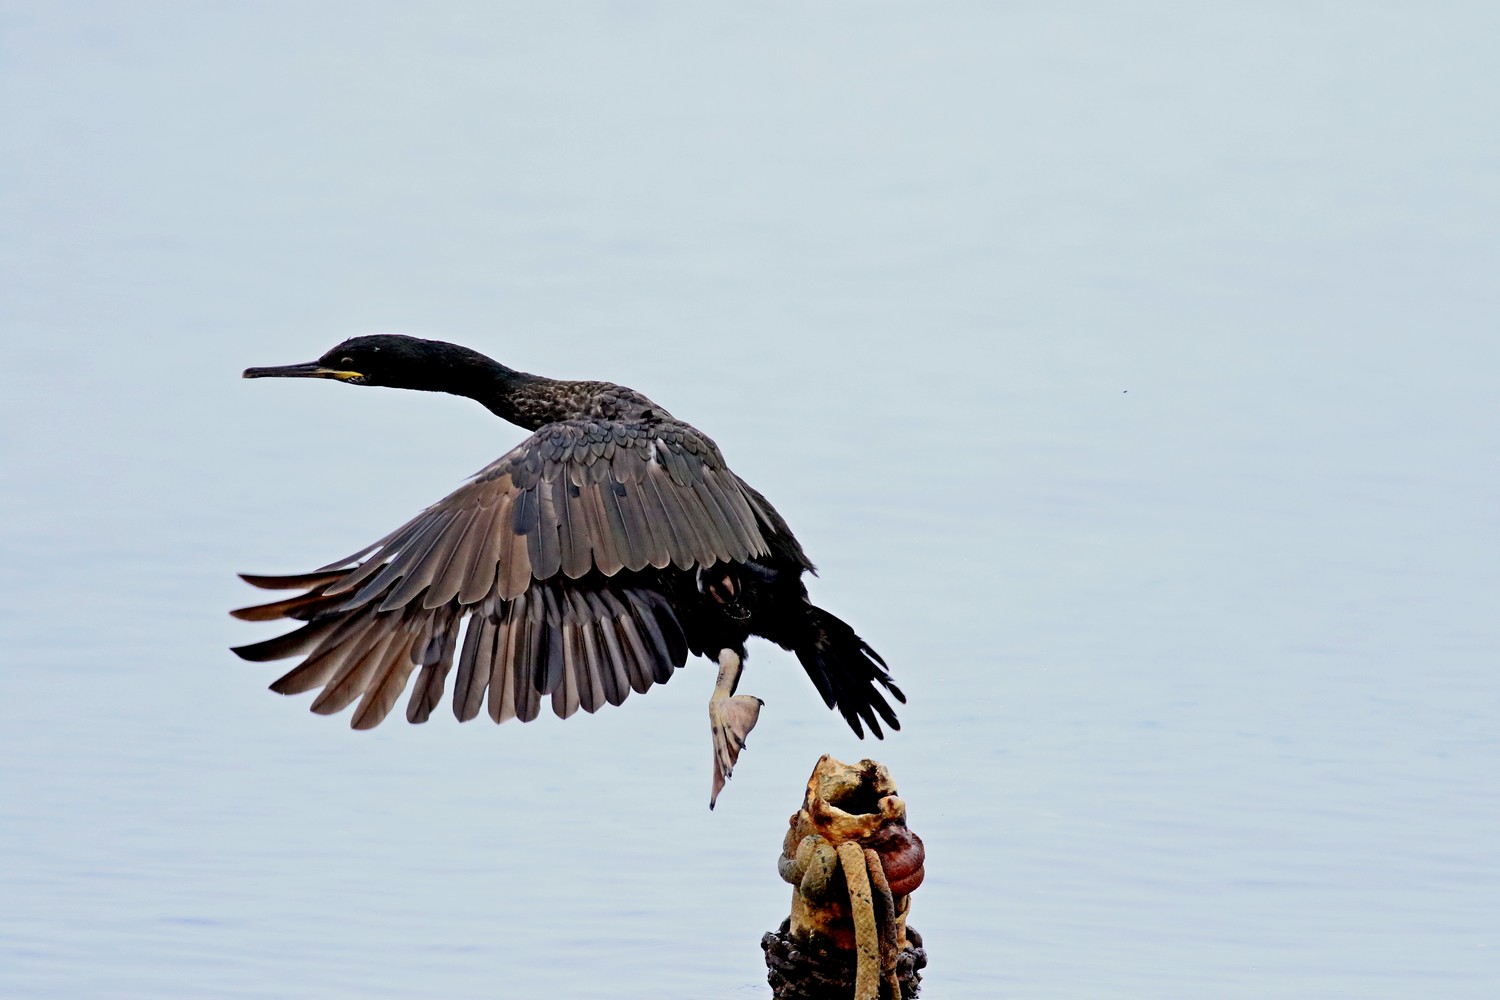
<point x="1129" y="372"/>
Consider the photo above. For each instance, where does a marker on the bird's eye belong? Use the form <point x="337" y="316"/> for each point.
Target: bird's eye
<point x="346" y="361"/>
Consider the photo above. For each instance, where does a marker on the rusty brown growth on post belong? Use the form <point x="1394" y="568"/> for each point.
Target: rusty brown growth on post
<point x="853" y="865"/>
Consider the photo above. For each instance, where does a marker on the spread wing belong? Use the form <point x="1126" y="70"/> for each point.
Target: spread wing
<point x="551" y="553"/>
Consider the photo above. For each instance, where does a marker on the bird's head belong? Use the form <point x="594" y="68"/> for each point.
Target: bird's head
<point x="389" y="359"/>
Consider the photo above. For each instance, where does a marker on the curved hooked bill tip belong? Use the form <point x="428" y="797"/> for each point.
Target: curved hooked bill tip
<point x="310" y="369"/>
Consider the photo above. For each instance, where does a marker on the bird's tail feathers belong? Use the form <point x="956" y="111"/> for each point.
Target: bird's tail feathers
<point x="846" y="670"/>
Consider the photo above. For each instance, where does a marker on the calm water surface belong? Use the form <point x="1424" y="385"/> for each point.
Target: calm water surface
<point x="1130" y="374"/>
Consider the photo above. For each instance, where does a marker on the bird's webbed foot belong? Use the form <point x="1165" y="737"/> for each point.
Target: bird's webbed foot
<point x="730" y="717"/>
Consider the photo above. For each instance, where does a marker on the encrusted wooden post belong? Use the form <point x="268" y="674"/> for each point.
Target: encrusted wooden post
<point x="853" y="865"/>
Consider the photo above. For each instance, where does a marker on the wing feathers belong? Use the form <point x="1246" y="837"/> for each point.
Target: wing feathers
<point x="480" y="575"/>
<point x="437" y="657"/>
<point x="388" y="681"/>
<point x="296" y="582"/>
<point x="515" y="559"/>
<point x="355" y="675"/>
<point x="604" y="649"/>
<point x="459" y="562"/>
<point x="294" y="642"/>
<point x="392" y="543"/>
<point x="544" y="542"/>
<point x="294" y="607"/>
<point x="473" y="667"/>
<point x="565" y="696"/>
<point x="523" y="670"/>
<point x="502" y="700"/>
<point x="578" y="644"/>
<point x="420" y="572"/>
<point x="575" y="498"/>
<point x="531" y="554"/>
<point x="574" y="532"/>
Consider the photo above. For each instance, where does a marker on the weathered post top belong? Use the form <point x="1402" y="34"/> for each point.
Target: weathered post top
<point x="847" y="937"/>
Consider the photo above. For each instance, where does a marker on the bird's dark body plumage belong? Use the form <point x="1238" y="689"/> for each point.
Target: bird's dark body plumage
<point x="588" y="561"/>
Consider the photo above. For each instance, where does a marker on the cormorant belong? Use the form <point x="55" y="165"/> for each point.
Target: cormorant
<point x="588" y="562"/>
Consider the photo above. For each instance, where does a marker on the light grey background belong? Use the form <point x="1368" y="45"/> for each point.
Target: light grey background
<point x="1129" y="370"/>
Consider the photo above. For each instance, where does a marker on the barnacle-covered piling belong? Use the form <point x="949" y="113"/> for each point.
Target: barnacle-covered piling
<point x="853" y="865"/>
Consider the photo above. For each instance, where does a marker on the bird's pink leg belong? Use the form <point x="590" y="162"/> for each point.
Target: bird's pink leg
<point x="731" y="717"/>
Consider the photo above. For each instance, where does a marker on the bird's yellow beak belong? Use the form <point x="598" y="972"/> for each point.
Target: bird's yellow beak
<point x="310" y="369"/>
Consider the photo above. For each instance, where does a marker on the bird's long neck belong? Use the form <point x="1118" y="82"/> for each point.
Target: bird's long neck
<point x="526" y="400"/>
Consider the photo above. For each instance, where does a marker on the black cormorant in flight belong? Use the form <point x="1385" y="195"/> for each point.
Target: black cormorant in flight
<point x="588" y="562"/>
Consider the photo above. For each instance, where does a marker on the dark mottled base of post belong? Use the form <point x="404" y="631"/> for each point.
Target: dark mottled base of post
<point x="825" y="974"/>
